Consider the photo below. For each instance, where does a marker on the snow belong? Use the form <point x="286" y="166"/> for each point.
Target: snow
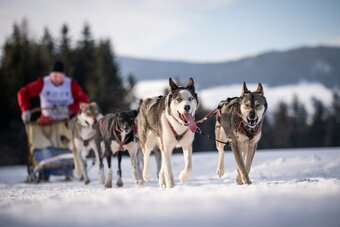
<point x="297" y="187"/>
<point x="211" y="97"/>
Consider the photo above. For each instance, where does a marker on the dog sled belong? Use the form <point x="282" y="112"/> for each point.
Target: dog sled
<point x="49" y="151"/>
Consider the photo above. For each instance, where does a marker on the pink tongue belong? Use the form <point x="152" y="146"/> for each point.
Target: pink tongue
<point x="191" y="120"/>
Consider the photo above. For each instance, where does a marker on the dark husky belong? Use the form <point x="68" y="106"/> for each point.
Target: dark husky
<point x="240" y="123"/>
<point x="115" y="134"/>
<point x="167" y="122"/>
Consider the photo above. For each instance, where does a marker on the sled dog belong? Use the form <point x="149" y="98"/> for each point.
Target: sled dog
<point x="167" y="122"/>
<point x="115" y="134"/>
<point x="83" y="131"/>
<point x="240" y="122"/>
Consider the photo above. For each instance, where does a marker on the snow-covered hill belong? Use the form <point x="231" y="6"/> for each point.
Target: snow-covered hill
<point x="210" y="97"/>
<point x="298" y="187"/>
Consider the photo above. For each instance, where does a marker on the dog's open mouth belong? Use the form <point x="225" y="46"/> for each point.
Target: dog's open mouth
<point x="188" y="120"/>
<point x="252" y="122"/>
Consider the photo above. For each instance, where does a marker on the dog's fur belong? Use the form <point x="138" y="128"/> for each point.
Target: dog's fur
<point x="115" y="134"/>
<point x="83" y="131"/>
<point x="167" y="122"/>
<point x="240" y="123"/>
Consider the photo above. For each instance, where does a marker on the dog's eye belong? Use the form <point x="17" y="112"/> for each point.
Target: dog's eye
<point x="258" y="106"/>
<point x="191" y="98"/>
<point x="247" y="105"/>
<point x="88" y="114"/>
<point x="179" y="99"/>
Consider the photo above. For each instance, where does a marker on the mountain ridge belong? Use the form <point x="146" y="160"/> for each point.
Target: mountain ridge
<point x="313" y="64"/>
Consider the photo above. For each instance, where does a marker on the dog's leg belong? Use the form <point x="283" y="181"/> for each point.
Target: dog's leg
<point x="250" y="156"/>
<point x="158" y="158"/>
<point x="97" y="152"/>
<point x="119" y="171"/>
<point x="108" y="155"/>
<point x="146" y="167"/>
<point x="166" y="168"/>
<point x="240" y="164"/>
<point x="139" y="164"/>
<point x="82" y="167"/>
<point x="220" y="164"/>
<point x="133" y="156"/>
<point x="77" y="172"/>
<point x="184" y="175"/>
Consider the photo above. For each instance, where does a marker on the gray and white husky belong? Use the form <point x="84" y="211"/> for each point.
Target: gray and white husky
<point x="240" y="123"/>
<point x="167" y="122"/>
<point x="83" y="131"/>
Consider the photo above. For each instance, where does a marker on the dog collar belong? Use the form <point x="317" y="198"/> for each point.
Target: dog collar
<point x="178" y="137"/>
<point x="250" y="133"/>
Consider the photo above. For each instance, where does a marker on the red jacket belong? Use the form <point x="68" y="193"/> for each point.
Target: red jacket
<point x="33" y="89"/>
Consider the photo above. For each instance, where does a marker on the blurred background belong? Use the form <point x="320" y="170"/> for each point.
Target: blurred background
<point x="120" y="51"/>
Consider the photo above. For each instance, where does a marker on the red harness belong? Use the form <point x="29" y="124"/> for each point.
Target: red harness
<point x="178" y="137"/>
<point x="250" y="134"/>
<point x="121" y="143"/>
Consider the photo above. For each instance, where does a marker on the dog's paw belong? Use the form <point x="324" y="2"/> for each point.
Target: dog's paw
<point x="240" y="180"/>
<point x="77" y="175"/>
<point x="171" y="185"/>
<point x="119" y="183"/>
<point x="146" y="176"/>
<point x="183" y="177"/>
<point x="108" y="184"/>
<point x="87" y="181"/>
<point x="139" y="182"/>
<point x="220" y="173"/>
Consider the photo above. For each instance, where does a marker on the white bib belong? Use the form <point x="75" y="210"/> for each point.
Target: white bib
<point x="54" y="100"/>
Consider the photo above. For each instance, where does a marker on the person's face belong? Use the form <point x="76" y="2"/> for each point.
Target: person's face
<point x="57" y="78"/>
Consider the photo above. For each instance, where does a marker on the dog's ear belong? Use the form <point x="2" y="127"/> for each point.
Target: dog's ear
<point x="134" y="113"/>
<point x="191" y="84"/>
<point x="259" y="89"/>
<point x="82" y="105"/>
<point x="94" y="104"/>
<point x="244" y="89"/>
<point x="172" y="84"/>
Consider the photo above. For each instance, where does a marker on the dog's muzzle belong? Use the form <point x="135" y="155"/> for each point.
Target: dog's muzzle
<point x="252" y="122"/>
<point x="188" y="120"/>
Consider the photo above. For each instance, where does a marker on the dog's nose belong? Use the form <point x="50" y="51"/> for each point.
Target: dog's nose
<point x="252" y="115"/>
<point x="187" y="108"/>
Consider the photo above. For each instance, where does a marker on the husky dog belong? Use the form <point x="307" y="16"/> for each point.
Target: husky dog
<point x="240" y="123"/>
<point x="167" y="122"/>
<point x="115" y="134"/>
<point x="83" y="132"/>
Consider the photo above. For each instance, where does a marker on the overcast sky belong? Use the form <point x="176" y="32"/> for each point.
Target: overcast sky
<point x="192" y="30"/>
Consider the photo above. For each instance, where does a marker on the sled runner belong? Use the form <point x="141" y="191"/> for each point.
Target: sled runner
<point x="49" y="151"/>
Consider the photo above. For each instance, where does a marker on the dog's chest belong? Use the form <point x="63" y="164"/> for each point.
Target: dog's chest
<point x="122" y="141"/>
<point x="86" y="133"/>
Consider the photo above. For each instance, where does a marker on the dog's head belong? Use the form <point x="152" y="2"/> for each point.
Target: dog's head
<point x="88" y="114"/>
<point x="125" y="121"/>
<point x="183" y="102"/>
<point x="253" y="105"/>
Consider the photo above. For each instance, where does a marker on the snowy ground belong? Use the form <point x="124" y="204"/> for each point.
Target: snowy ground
<point x="298" y="187"/>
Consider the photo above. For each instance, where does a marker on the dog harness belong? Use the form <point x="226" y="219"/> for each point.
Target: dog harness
<point x="128" y="138"/>
<point x="249" y="132"/>
<point x="85" y="141"/>
<point x="178" y="137"/>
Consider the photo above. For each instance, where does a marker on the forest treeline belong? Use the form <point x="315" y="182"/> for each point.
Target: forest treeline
<point x="92" y="63"/>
